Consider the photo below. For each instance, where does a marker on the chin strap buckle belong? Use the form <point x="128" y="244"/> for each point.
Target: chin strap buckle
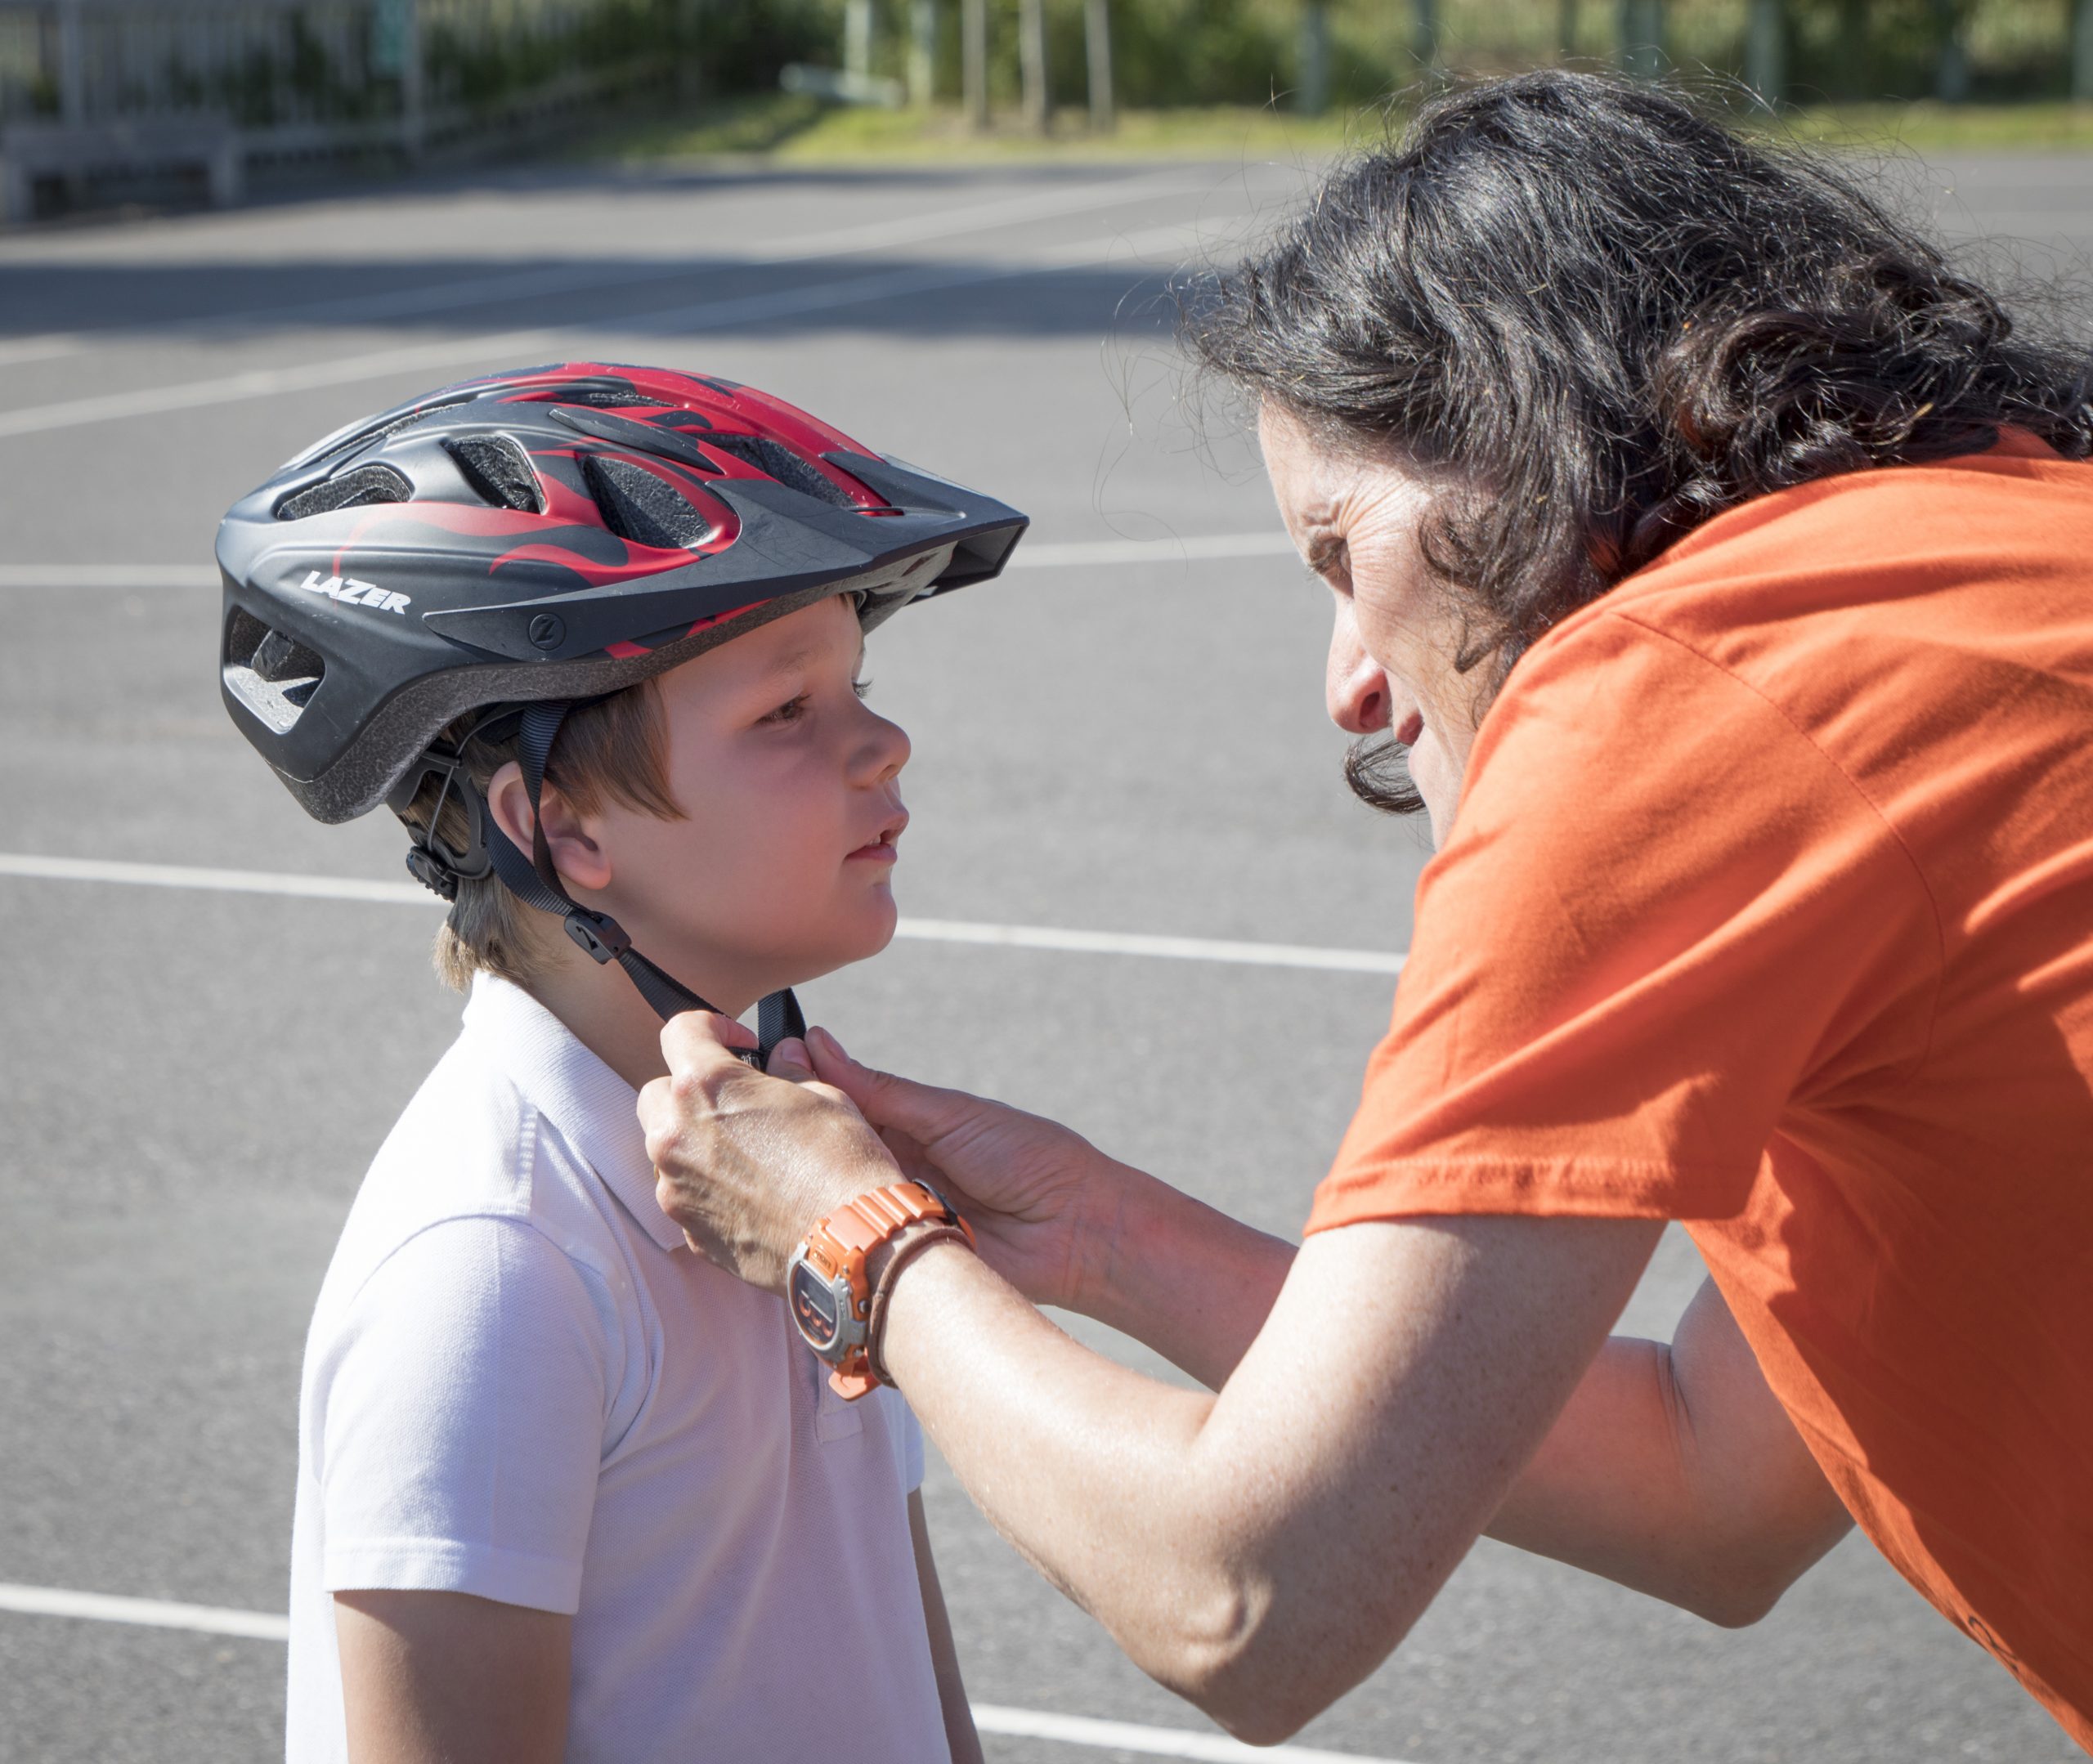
<point x="598" y="934"/>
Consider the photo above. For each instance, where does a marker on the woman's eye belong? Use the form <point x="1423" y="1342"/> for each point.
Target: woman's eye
<point x="861" y="687"/>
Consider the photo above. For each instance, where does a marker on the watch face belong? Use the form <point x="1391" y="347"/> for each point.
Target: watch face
<point x="814" y="1307"/>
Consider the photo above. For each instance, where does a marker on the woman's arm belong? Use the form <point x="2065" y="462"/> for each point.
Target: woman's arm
<point x="959" y="1736"/>
<point x="1675" y="1470"/>
<point x="447" y="1678"/>
<point x="1261" y="1550"/>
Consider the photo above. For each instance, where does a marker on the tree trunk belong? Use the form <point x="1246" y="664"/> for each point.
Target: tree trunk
<point x="922" y="51"/>
<point x="1097" y="45"/>
<point x="974" y="60"/>
<point x="1313" y="95"/>
<point x="1032" y="66"/>
<point x="1765" y="51"/>
<point x="1951" y="82"/>
<point x="1641" y="37"/>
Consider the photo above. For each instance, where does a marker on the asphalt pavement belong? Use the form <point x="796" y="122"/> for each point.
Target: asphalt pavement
<point x="1124" y="736"/>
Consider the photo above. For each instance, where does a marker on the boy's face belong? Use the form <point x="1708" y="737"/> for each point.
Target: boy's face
<point x="790" y="786"/>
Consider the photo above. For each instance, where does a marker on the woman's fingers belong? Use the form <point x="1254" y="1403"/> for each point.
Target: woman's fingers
<point x="919" y="1110"/>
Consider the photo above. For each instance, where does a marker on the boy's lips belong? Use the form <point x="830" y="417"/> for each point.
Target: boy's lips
<point x="881" y="850"/>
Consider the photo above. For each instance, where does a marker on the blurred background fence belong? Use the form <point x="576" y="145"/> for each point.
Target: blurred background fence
<point x="1306" y="55"/>
<point x="89" y="85"/>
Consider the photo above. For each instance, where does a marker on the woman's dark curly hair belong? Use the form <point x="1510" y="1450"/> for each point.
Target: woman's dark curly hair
<point x="1605" y="318"/>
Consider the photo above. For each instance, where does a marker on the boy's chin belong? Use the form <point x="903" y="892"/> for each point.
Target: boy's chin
<point x="863" y="937"/>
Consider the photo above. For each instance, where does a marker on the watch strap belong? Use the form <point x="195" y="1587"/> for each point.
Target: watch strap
<point x="911" y="1245"/>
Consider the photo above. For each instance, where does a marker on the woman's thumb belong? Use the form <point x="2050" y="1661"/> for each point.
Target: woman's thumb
<point x="882" y="1099"/>
<point x="789" y="1059"/>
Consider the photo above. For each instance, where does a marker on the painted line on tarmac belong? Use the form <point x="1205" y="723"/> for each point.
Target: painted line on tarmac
<point x="543" y="340"/>
<point x="1050" y="938"/>
<point x="1206" y="547"/>
<point x="1154" y="1742"/>
<point x="989" y="1717"/>
<point x="504" y="287"/>
<point x="153" y="1614"/>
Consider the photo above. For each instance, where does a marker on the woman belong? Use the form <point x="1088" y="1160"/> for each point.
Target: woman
<point x="1710" y="563"/>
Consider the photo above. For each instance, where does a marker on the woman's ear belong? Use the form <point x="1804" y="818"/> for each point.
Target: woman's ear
<point x="579" y="859"/>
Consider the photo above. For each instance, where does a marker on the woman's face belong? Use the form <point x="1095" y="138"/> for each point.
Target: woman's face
<point x="1355" y="521"/>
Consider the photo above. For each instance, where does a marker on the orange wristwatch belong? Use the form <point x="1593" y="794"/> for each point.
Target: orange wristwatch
<point x="826" y="1285"/>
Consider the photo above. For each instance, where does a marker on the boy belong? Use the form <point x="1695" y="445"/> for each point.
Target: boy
<point x="566" y="1490"/>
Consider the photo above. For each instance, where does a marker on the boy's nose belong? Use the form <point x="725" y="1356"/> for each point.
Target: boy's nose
<point x="887" y="750"/>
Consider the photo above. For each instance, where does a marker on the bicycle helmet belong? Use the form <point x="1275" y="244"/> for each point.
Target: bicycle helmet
<point x="519" y="544"/>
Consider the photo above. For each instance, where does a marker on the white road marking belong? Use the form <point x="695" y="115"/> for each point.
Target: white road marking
<point x="108" y="575"/>
<point x="1154" y="1742"/>
<point x="990" y="1717"/>
<point x="34" y="867"/>
<point x="1205" y="547"/>
<point x="155" y="1614"/>
<point x="520" y="284"/>
<point x="524" y="345"/>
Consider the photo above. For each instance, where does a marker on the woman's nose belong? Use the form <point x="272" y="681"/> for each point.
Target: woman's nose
<point x="1355" y="688"/>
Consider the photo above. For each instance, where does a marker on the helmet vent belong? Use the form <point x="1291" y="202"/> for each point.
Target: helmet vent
<point x="778" y="461"/>
<point x="499" y="471"/>
<point x="271" y="673"/>
<point x="641" y="507"/>
<point x="365" y="483"/>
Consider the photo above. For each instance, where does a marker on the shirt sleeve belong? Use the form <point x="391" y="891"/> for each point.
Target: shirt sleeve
<point x="461" y="1410"/>
<point x="1663" y="919"/>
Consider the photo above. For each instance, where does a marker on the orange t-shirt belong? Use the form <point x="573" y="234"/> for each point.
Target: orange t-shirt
<point x="1768" y="906"/>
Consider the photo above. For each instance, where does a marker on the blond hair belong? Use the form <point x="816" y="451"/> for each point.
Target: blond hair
<point x="616" y="749"/>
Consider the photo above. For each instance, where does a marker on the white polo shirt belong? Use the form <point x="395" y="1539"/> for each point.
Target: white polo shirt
<point x="521" y="1383"/>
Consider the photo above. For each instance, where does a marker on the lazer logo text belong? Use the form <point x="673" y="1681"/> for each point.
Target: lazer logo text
<point x="351" y="592"/>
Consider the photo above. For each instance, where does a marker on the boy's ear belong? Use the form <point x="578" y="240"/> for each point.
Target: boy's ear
<point x="576" y="856"/>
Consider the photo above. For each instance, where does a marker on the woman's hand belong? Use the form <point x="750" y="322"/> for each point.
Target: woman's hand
<point x="746" y="1162"/>
<point x="1043" y="1202"/>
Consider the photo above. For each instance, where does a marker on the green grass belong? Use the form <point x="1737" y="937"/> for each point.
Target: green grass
<point x="800" y="131"/>
<point x="788" y="130"/>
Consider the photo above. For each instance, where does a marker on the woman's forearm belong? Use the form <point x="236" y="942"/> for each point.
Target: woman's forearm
<point x="1674" y="1470"/>
<point x="1189" y="1283"/>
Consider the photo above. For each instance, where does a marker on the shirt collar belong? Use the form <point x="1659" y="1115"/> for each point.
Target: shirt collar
<point x="595" y="1110"/>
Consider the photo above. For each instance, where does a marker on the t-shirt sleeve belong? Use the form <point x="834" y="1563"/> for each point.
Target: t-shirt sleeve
<point x="1663" y="916"/>
<point x="460" y="1412"/>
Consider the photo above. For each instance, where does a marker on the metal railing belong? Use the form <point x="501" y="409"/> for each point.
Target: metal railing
<point x="303" y="77"/>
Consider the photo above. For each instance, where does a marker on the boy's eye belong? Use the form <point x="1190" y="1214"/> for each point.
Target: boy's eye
<point x="791" y="711"/>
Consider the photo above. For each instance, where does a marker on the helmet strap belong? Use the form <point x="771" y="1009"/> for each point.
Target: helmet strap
<point x="535" y="882"/>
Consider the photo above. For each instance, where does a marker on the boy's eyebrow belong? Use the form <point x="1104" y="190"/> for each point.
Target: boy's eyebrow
<point x="805" y="652"/>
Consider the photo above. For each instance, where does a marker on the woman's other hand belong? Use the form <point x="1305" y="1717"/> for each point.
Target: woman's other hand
<point x="746" y="1162"/>
<point x="1043" y="1202"/>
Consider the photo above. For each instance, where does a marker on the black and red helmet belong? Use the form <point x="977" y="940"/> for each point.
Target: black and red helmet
<point x="551" y="533"/>
<point x="517" y="545"/>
